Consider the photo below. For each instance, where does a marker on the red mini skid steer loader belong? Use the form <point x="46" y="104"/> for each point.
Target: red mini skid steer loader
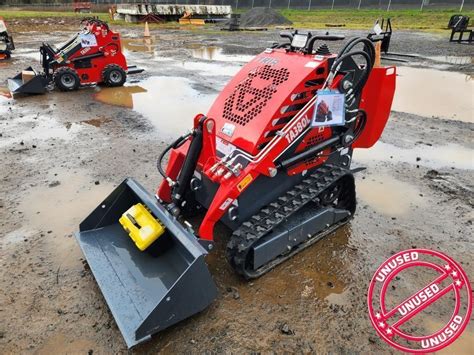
<point x="260" y="163"/>
<point x="92" y="56"/>
<point x="6" y="41"/>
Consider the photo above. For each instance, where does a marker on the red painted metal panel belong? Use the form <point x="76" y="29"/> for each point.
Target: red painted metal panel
<point x="377" y="98"/>
<point x="262" y="92"/>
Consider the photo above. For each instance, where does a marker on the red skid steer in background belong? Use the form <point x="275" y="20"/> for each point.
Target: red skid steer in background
<point x="260" y="163"/>
<point x="6" y="41"/>
<point x="93" y="56"/>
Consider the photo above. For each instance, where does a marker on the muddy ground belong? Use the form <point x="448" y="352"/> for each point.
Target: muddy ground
<point x="62" y="153"/>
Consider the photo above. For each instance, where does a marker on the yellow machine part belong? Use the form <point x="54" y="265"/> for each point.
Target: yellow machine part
<point x="187" y="19"/>
<point x="141" y="226"/>
<point x="192" y="21"/>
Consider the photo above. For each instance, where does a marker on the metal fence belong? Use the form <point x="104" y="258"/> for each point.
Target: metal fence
<point x="387" y="5"/>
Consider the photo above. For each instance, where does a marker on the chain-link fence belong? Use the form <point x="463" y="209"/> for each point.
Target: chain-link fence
<point x="386" y="5"/>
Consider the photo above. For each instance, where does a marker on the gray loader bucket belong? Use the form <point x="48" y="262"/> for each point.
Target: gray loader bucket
<point x="34" y="85"/>
<point x="151" y="290"/>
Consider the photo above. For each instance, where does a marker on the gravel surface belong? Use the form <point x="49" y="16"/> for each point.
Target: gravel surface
<point x="261" y="17"/>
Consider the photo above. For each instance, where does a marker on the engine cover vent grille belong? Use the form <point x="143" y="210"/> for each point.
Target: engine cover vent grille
<point x="252" y="95"/>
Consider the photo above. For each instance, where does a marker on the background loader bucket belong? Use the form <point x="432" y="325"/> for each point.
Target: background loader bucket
<point x="35" y="85"/>
<point x="151" y="290"/>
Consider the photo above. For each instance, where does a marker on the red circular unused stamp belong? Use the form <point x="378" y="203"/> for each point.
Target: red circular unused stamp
<point x="450" y="281"/>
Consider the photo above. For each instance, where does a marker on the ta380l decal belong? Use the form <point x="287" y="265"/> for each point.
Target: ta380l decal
<point x="297" y="128"/>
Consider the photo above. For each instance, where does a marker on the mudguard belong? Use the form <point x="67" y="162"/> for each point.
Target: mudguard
<point x="377" y="97"/>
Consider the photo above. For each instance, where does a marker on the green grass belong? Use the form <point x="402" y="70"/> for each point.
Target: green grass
<point x="18" y="14"/>
<point x="431" y="20"/>
<point x="10" y="15"/>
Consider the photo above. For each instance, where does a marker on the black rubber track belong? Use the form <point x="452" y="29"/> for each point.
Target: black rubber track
<point x="310" y="190"/>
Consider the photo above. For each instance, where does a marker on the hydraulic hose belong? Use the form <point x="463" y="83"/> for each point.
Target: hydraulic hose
<point x="368" y="53"/>
<point x="358" y="127"/>
<point x="361" y="124"/>
<point x="361" y="82"/>
<point x="176" y="144"/>
<point x="368" y="46"/>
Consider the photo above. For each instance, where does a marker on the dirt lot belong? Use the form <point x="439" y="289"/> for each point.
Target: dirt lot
<point x="62" y="153"/>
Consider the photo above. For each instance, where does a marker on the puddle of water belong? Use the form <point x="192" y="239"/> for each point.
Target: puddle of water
<point x="430" y="92"/>
<point x="28" y="54"/>
<point x="450" y="155"/>
<point x="209" y="69"/>
<point x="5" y="93"/>
<point x="341" y="299"/>
<point x="5" y="63"/>
<point x="463" y="60"/>
<point x="216" y="53"/>
<point x="169" y="103"/>
<point x="218" y="64"/>
<point x="146" y="45"/>
<point x="5" y="97"/>
<point x="388" y="195"/>
<point x="160" y="58"/>
<point x="120" y="96"/>
<point x="68" y="204"/>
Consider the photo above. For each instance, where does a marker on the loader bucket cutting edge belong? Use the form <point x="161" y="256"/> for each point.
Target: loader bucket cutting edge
<point x="151" y="290"/>
<point x="36" y="85"/>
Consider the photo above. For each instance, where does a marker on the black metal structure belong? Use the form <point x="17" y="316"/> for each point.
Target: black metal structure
<point x="384" y="36"/>
<point x="233" y="23"/>
<point x="460" y="33"/>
